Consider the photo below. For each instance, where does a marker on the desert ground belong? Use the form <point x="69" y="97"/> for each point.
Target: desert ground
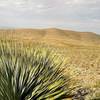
<point x="80" y="51"/>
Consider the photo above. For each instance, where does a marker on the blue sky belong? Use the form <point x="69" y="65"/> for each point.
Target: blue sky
<point x="82" y="15"/>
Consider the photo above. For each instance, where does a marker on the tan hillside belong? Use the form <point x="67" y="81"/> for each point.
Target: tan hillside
<point x="80" y="50"/>
<point x="53" y="36"/>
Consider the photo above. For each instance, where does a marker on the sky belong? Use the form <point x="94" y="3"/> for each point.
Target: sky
<point x="80" y="15"/>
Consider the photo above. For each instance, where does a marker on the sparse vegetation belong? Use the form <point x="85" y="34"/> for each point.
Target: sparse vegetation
<point x="82" y="56"/>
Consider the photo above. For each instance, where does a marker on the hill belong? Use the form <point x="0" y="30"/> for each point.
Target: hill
<point x="53" y="36"/>
<point x="80" y="50"/>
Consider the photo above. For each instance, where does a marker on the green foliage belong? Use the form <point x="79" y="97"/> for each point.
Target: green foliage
<point x="30" y="74"/>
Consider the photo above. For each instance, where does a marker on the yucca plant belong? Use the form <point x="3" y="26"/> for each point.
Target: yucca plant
<point x="31" y="74"/>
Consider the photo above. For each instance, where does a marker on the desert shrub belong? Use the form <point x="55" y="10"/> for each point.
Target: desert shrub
<point x="31" y="74"/>
<point x="96" y="95"/>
